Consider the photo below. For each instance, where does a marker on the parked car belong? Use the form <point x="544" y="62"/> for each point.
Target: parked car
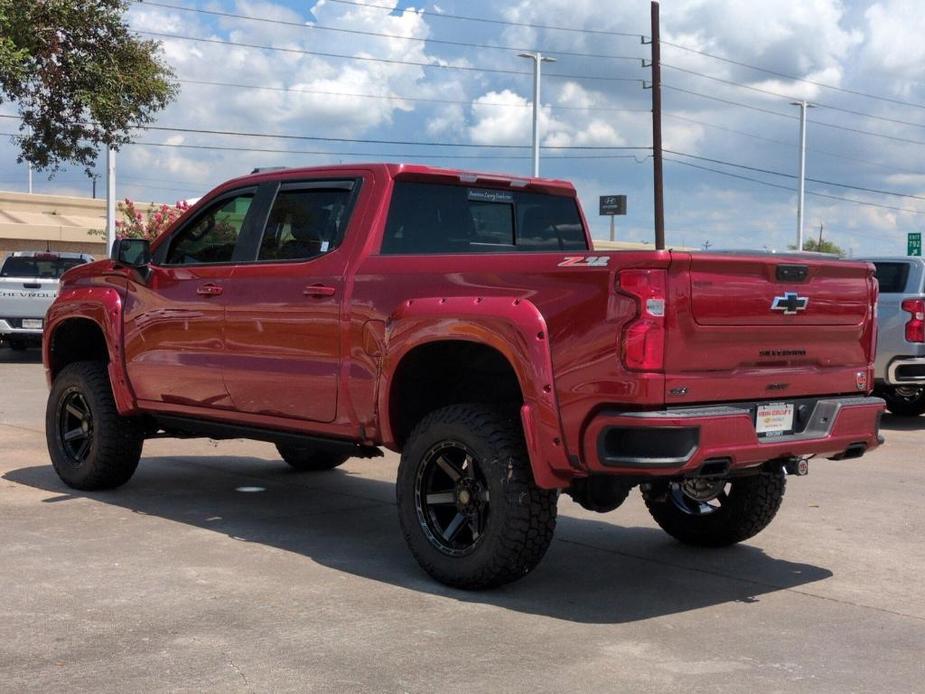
<point x="28" y="285"/>
<point x="900" y="365"/>
<point x="464" y="320"/>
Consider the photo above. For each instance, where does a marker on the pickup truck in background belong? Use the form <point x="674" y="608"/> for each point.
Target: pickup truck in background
<point x="463" y="320"/>
<point x="28" y="285"/>
<point x="900" y="366"/>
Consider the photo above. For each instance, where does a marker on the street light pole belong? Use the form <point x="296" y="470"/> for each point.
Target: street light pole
<point x="537" y="58"/>
<point x="802" y="190"/>
<point x="110" y="199"/>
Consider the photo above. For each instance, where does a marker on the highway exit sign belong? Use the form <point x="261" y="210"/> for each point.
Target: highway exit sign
<point x="914" y="243"/>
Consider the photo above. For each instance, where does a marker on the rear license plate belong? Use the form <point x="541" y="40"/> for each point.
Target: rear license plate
<point x="32" y="323"/>
<point x="775" y="419"/>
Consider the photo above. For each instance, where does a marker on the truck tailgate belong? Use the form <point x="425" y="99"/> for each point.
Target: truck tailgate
<point x="754" y="327"/>
<point x="26" y="297"/>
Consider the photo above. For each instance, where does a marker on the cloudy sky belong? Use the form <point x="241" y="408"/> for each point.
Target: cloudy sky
<point x="417" y="73"/>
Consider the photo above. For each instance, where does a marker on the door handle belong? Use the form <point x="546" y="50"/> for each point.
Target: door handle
<point x="318" y="290"/>
<point x="209" y="290"/>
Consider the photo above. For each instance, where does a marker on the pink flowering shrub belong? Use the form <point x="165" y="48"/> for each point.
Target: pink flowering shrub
<point x="147" y="225"/>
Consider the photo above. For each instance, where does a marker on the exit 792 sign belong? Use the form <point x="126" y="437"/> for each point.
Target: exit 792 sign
<point x="914" y="243"/>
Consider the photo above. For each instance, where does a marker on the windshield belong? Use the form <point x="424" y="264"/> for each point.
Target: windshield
<point x="42" y="268"/>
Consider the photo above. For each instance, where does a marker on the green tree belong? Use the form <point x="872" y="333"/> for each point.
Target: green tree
<point x="81" y="80"/>
<point x="824" y="246"/>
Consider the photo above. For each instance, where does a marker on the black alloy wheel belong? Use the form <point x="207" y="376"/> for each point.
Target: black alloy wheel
<point x="90" y="444"/>
<point x="452" y="499"/>
<point x="75" y="427"/>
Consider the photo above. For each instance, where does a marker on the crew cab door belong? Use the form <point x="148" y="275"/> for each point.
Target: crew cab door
<point x="284" y="309"/>
<point x="174" y="314"/>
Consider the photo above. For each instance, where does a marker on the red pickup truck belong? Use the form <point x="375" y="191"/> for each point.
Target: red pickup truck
<point x="464" y="320"/>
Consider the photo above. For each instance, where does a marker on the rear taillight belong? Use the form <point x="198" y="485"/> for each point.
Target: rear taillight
<point x="644" y="337"/>
<point x="915" y="327"/>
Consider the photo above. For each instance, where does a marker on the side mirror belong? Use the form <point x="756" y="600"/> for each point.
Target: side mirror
<point x="134" y="253"/>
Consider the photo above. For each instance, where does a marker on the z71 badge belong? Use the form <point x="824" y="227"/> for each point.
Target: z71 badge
<point x="585" y="261"/>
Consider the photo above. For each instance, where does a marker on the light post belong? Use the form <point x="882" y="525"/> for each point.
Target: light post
<point x="537" y="58"/>
<point x="802" y="191"/>
<point x="110" y="199"/>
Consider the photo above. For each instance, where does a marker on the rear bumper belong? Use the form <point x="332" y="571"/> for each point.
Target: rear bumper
<point x="7" y="330"/>
<point x="680" y="441"/>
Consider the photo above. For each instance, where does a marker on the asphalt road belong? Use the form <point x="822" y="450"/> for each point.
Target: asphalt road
<point x="183" y="580"/>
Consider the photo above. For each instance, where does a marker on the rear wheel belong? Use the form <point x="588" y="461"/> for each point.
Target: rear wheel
<point x="905" y="401"/>
<point x="91" y="446"/>
<point x="309" y="459"/>
<point x="468" y="506"/>
<point x="715" y="513"/>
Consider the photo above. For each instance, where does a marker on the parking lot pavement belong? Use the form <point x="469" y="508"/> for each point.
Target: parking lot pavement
<point x="184" y="581"/>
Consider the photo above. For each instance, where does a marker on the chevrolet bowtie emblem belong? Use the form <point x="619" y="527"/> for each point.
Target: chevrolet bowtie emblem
<point x="790" y="303"/>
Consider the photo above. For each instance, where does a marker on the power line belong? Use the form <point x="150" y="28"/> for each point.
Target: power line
<point x="381" y="154"/>
<point x="304" y="25"/>
<point x="794" y="78"/>
<point x="794" y="144"/>
<point x="486" y="20"/>
<point x="412" y="143"/>
<point x="390" y="61"/>
<point x="830" y="107"/>
<point x="824" y="124"/>
<point x="793" y="190"/>
<point x="467" y="102"/>
<point x="788" y="175"/>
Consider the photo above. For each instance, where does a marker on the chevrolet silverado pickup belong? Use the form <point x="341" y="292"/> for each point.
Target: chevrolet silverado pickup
<point x="28" y="285"/>
<point x="464" y="320"/>
<point x="899" y="370"/>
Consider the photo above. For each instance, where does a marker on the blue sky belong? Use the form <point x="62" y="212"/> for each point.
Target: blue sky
<point x="869" y="47"/>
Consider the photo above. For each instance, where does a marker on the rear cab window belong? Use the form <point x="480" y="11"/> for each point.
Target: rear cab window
<point x="307" y="220"/>
<point x="892" y="277"/>
<point x="444" y="218"/>
<point x="42" y="267"/>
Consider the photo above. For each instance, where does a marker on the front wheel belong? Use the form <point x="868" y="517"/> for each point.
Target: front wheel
<point x="91" y="446"/>
<point x="716" y="513"/>
<point x="467" y="503"/>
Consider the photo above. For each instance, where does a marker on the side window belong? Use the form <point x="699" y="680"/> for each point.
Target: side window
<point x="892" y="277"/>
<point x="305" y="223"/>
<point x="442" y="218"/>
<point x="211" y="237"/>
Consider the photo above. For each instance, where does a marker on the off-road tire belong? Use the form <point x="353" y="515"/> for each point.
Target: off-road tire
<point x="904" y="407"/>
<point x="307" y="459"/>
<point x="521" y="517"/>
<point x="114" y="442"/>
<point x="750" y="506"/>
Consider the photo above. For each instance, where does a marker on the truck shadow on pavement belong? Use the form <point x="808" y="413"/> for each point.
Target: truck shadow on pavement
<point x="891" y="422"/>
<point x="595" y="572"/>
<point x="33" y="355"/>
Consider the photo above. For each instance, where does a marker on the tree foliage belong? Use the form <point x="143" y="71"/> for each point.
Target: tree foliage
<point x="824" y="246"/>
<point x="82" y="81"/>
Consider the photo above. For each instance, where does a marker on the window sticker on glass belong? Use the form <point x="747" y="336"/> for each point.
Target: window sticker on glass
<point x="482" y="195"/>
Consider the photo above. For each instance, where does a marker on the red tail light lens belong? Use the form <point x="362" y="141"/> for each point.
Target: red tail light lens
<point x="915" y="328"/>
<point x="644" y="337"/>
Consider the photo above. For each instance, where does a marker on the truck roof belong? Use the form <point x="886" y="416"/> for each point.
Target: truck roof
<point x="414" y="171"/>
<point x="52" y="254"/>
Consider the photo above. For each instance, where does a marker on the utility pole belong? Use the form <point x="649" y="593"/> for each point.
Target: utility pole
<point x="802" y="191"/>
<point x="110" y="199"/>
<point x="820" y="236"/>
<point x="29" y="166"/>
<point x="657" y="181"/>
<point x="538" y="59"/>
<point x="706" y="245"/>
<point x="93" y="179"/>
